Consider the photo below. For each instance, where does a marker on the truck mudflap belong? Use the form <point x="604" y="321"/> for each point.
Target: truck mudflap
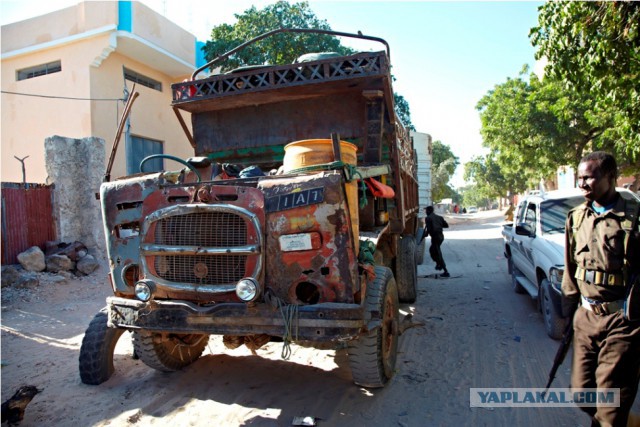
<point x="318" y="322"/>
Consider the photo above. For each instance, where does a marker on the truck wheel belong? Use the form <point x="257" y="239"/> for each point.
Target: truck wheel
<point x="553" y="322"/>
<point x="517" y="287"/>
<point x="407" y="270"/>
<point x="373" y="355"/>
<point x="421" y="247"/>
<point x="168" y="352"/>
<point x="96" y="352"/>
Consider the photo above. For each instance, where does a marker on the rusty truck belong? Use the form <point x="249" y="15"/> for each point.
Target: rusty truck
<point x="294" y="222"/>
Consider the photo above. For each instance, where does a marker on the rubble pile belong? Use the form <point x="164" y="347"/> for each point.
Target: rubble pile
<point x="58" y="263"/>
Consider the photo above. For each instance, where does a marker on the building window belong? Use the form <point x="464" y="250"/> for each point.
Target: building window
<point x="141" y="148"/>
<point x="39" y="70"/>
<point x="143" y="80"/>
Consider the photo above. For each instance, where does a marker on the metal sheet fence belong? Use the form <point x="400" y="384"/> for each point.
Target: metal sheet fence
<point x="27" y="218"/>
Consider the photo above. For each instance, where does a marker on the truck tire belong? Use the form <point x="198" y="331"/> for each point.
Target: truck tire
<point x="373" y="355"/>
<point x="553" y="322"/>
<point x="168" y="352"/>
<point x="421" y="247"/>
<point x="517" y="287"/>
<point x="96" y="351"/>
<point x="407" y="270"/>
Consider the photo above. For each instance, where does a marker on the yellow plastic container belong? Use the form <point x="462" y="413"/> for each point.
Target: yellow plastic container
<point x="309" y="152"/>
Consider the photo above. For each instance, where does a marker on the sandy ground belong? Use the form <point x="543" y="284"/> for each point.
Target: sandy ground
<point x="475" y="332"/>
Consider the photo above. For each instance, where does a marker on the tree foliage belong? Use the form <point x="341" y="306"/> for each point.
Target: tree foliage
<point x="595" y="48"/>
<point x="489" y="180"/>
<point x="534" y="126"/>
<point x="472" y="195"/>
<point x="281" y="48"/>
<point x="444" y="164"/>
<point x="403" y="111"/>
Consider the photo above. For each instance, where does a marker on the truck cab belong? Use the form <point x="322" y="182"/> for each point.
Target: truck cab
<point x="295" y="220"/>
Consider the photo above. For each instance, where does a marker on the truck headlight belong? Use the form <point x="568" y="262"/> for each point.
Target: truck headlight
<point x="555" y="277"/>
<point x="144" y="290"/>
<point x="248" y="289"/>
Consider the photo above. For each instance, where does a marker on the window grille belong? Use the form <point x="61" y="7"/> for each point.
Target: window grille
<point x="39" y="70"/>
<point x="142" y="80"/>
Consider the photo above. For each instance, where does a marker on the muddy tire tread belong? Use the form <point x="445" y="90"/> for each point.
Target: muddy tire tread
<point x="407" y="270"/>
<point x="96" y="352"/>
<point x="164" y="356"/>
<point x="366" y="357"/>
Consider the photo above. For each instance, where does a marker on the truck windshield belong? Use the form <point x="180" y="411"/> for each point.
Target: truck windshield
<point x="553" y="213"/>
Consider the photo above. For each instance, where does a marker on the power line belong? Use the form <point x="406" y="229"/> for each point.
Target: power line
<point x="63" y="97"/>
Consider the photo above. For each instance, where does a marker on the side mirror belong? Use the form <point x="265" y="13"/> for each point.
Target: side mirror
<point x="524" y="229"/>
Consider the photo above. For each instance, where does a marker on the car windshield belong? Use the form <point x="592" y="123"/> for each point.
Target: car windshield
<point x="553" y="213"/>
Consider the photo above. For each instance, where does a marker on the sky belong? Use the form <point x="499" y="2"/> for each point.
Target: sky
<point x="445" y="55"/>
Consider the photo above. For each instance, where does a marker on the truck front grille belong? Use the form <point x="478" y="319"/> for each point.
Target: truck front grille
<point x="210" y="269"/>
<point x="207" y="229"/>
<point x="195" y="246"/>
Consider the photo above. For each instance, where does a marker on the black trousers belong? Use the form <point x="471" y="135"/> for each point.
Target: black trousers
<point x="435" y="252"/>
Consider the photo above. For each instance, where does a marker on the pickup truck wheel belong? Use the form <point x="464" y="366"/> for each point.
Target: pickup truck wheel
<point x="553" y="322"/>
<point x="96" y="352"/>
<point x="168" y="352"/>
<point x="407" y="270"/>
<point x="373" y="355"/>
<point x="517" y="287"/>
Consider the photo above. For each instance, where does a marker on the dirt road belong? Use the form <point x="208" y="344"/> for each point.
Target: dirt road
<point x="475" y="332"/>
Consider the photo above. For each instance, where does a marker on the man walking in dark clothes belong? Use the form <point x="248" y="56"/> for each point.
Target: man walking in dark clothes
<point x="434" y="224"/>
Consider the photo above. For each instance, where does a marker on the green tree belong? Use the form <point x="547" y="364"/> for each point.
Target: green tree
<point x="281" y="48"/>
<point x="534" y="126"/>
<point x="444" y="164"/>
<point x="490" y="182"/>
<point x="472" y="195"/>
<point x="403" y="111"/>
<point x="595" y="48"/>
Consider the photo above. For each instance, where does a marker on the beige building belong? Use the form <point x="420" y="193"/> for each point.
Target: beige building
<point x="65" y="73"/>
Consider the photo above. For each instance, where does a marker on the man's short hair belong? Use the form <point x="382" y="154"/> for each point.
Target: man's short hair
<point x="606" y="162"/>
<point x="429" y="209"/>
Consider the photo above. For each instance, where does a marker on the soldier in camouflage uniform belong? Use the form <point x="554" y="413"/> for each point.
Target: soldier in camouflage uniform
<point x="602" y="262"/>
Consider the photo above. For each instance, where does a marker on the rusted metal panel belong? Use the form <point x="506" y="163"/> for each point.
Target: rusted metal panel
<point x="279" y="123"/>
<point x="27" y="218"/>
<point x="307" y="79"/>
<point x="213" y="240"/>
<point x="311" y="207"/>
<point x="324" y="322"/>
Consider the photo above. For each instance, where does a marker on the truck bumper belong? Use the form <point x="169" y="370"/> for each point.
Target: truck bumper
<point x="318" y="322"/>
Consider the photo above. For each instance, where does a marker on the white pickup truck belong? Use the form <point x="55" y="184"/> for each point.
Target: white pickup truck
<point x="534" y="248"/>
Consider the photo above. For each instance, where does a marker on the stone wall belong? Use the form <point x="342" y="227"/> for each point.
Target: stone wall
<point x="76" y="167"/>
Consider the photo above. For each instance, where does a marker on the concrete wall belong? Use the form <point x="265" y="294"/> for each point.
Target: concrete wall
<point x="162" y="32"/>
<point x="92" y="53"/>
<point x="28" y="120"/>
<point x="75" y="167"/>
<point x="59" y="25"/>
<point x="151" y="116"/>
